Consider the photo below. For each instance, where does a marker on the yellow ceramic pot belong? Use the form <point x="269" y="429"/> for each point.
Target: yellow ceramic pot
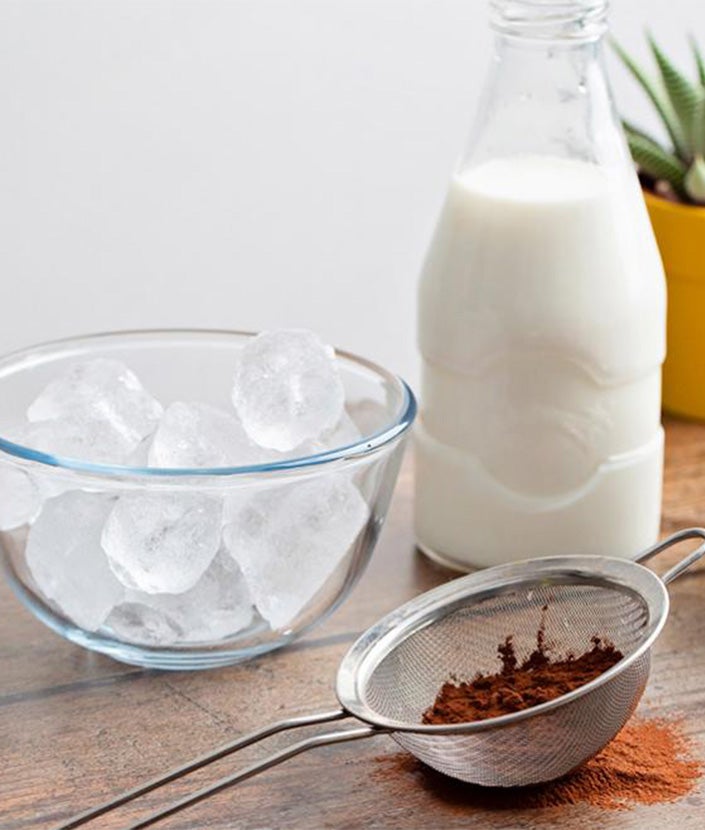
<point x="680" y="232"/>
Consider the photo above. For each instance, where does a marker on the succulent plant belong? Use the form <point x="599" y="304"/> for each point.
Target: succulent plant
<point x="680" y="104"/>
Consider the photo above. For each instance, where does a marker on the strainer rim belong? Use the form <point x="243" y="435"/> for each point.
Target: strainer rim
<point x="373" y="645"/>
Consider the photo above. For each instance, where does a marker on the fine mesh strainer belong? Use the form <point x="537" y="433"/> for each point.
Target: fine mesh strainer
<point x="392" y="674"/>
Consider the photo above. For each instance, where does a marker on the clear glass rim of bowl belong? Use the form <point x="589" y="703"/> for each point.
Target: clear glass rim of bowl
<point x="367" y="445"/>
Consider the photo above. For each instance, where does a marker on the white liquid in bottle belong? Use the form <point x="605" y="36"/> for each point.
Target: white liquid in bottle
<point x="541" y="327"/>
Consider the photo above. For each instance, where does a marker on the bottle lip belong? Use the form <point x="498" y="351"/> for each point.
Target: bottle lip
<point x="550" y="19"/>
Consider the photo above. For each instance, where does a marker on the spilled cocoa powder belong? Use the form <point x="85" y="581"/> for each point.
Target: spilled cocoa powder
<point x="650" y="761"/>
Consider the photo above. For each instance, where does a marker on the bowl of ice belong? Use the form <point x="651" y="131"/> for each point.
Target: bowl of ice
<point x="188" y="499"/>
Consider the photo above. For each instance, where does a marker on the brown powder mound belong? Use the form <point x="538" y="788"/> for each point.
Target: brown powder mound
<point x="537" y="680"/>
<point x="649" y="762"/>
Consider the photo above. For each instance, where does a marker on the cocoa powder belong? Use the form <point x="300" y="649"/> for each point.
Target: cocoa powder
<point x="650" y="761"/>
<point x="519" y="686"/>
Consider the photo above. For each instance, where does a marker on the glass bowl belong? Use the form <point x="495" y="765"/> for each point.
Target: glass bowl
<point x="307" y="567"/>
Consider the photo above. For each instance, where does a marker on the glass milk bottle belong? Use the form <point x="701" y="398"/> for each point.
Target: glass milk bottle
<point x="541" y="315"/>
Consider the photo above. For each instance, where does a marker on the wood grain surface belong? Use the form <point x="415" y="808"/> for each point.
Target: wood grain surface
<point x="76" y="727"/>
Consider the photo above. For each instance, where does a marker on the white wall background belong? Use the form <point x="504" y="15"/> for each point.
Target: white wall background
<point x="241" y="163"/>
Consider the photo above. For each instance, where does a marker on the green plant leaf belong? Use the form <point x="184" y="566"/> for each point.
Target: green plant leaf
<point x="697" y="130"/>
<point x="699" y="60"/>
<point x="632" y="129"/>
<point x="658" y="97"/>
<point x="695" y="181"/>
<point x="657" y="162"/>
<point x="685" y="97"/>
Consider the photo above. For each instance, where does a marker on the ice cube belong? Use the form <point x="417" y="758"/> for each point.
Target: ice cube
<point x="66" y="560"/>
<point x="287" y="389"/>
<point x="106" y="387"/>
<point x="139" y="457"/>
<point x="162" y="542"/>
<point x="102" y="398"/>
<point x="20" y="499"/>
<point x="135" y="622"/>
<point x="218" y="606"/>
<point x="290" y="539"/>
<point x="343" y="434"/>
<point x="83" y="438"/>
<point x="54" y="481"/>
<point x="368" y="415"/>
<point x="200" y="435"/>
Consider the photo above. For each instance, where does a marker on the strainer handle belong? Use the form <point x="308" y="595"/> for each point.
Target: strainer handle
<point x="674" y="539"/>
<point x="202" y="761"/>
<point x="265" y="764"/>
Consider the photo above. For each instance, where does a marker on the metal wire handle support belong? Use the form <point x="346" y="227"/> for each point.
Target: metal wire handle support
<point x="682" y="566"/>
<point x="202" y="761"/>
<point x="260" y="766"/>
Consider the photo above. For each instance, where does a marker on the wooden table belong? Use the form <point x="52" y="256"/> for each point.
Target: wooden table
<point x="76" y="727"/>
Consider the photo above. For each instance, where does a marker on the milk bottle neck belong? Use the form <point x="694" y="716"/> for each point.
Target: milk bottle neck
<point x="547" y="91"/>
<point x="557" y="20"/>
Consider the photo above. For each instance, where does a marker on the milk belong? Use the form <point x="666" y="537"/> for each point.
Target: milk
<point x="542" y="332"/>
